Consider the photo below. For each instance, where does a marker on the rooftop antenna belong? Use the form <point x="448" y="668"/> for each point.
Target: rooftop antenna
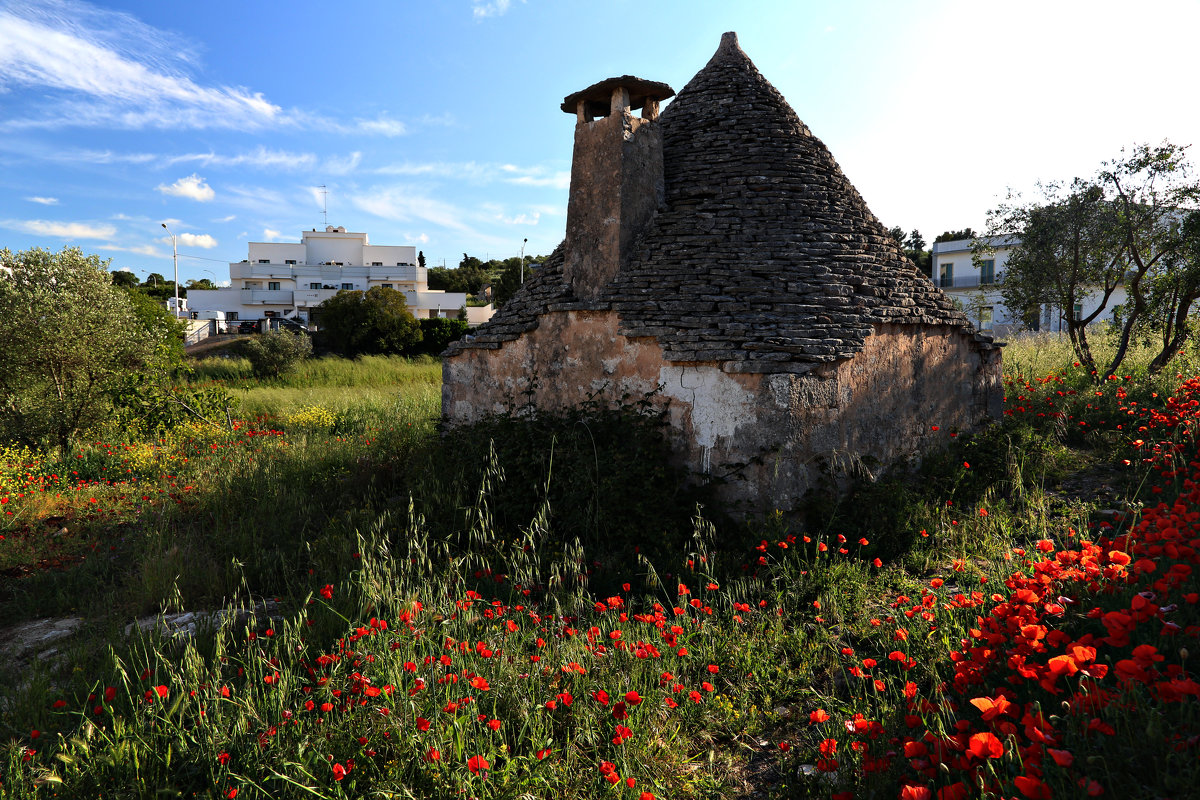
<point x="325" y="204"/>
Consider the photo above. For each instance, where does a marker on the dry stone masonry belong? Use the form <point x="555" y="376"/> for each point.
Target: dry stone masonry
<point x="717" y="259"/>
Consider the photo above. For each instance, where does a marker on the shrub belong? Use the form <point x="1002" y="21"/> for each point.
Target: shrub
<point x="436" y="335"/>
<point x="276" y="352"/>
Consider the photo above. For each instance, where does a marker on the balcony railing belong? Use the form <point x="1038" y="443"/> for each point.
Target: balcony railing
<point x="968" y="282"/>
<point x="268" y="297"/>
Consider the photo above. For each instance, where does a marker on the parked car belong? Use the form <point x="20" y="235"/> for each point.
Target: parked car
<point x="248" y="326"/>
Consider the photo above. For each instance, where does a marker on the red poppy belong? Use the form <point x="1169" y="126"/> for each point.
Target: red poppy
<point x="985" y="745"/>
<point x="818" y="716"/>
<point x="477" y="763"/>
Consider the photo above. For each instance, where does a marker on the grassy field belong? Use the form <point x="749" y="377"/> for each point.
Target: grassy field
<point x="1013" y="621"/>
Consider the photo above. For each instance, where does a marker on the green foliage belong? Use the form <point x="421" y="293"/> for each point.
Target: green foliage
<point x="124" y="278"/>
<point x="605" y="476"/>
<point x="146" y="407"/>
<point x="437" y="334"/>
<point x="373" y="322"/>
<point x="164" y="329"/>
<point x="67" y="337"/>
<point x="954" y="236"/>
<point x="276" y="352"/>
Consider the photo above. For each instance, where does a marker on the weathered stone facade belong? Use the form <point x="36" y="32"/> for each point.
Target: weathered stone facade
<point x="748" y="289"/>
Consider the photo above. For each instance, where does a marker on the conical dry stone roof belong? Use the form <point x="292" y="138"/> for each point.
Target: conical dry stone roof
<point x="765" y="258"/>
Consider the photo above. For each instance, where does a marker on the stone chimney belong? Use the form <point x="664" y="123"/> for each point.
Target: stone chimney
<point x="616" y="177"/>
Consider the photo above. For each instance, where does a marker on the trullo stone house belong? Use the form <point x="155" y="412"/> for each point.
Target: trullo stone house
<point x="717" y="258"/>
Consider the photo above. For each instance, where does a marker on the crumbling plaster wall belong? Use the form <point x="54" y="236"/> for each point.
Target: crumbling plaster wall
<point x="770" y="435"/>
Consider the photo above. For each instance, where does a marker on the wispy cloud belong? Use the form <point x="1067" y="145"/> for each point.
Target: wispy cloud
<point x="536" y="176"/>
<point x="270" y="235"/>
<point x="62" y="230"/>
<point x="480" y="172"/>
<point x="113" y="69"/>
<point x="192" y="187"/>
<point x="46" y="201"/>
<point x="141" y="250"/>
<point x="381" y="126"/>
<point x="482" y="9"/>
<point x="95" y="67"/>
<point x="403" y="204"/>
<point x="229" y="218"/>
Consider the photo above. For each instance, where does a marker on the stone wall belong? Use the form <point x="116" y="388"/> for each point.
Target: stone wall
<point x="769" y="435"/>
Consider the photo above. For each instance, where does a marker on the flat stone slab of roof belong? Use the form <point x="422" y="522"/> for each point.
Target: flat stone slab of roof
<point x="598" y="95"/>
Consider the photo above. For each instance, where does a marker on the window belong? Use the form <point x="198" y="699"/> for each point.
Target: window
<point x="264" y="261"/>
<point x="253" y="285"/>
<point x="987" y="272"/>
<point x="347" y="285"/>
<point x="273" y="286"/>
<point x="231" y="316"/>
<point x="1078" y="311"/>
<point x="387" y="286"/>
<point x="316" y="285"/>
<point x="290" y="261"/>
<point x="947" y="276"/>
<point x="986" y="315"/>
<point x="376" y="263"/>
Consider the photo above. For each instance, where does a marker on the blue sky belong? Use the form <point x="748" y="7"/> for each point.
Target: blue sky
<point x="437" y="123"/>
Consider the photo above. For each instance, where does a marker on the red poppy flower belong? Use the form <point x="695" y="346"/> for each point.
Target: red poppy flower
<point x="480" y="683"/>
<point x="818" y="716"/>
<point x="477" y="763"/>
<point x="985" y="745"/>
<point x="633" y="698"/>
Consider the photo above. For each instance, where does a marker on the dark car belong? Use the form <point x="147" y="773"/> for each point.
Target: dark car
<point x="248" y="326"/>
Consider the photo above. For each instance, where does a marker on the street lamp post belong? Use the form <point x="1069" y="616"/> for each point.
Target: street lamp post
<point x="175" y="260"/>
<point x="523" y="243"/>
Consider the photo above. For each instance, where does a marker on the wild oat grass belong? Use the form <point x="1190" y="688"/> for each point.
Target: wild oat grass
<point x="326" y="371"/>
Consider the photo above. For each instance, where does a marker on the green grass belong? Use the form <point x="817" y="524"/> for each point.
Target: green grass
<point x="361" y="503"/>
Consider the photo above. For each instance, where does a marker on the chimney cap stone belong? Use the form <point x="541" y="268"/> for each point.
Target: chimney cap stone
<point x="599" y="95"/>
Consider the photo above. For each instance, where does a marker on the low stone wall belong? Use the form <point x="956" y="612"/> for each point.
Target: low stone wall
<point x="768" y="435"/>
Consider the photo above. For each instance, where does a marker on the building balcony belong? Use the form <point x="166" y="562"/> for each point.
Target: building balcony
<point x="267" y="297"/>
<point x="325" y="273"/>
<point x="969" y="282"/>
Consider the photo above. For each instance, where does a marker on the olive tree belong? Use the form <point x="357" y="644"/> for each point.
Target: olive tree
<point x="67" y="338"/>
<point x="1135" y="225"/>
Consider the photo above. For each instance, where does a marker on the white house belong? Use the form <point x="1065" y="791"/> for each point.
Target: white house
<point x="285" y="279"/>
<point x="977" y="287"/>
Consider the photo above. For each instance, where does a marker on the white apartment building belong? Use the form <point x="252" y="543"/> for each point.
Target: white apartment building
<point x="976" y="286"/>
<point x="288" y="280"/>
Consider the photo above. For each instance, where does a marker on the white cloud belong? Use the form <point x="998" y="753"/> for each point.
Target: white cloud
<point x="556" y="180"/>
<point x="63" y="230"/>
<point x="202" y="240"/>
<point x="381" y="127"/>
<point x="106" y="68"/>
<point x="481" y="9"/>
<point x="270" y="235"/>
<point x="521" y="219"/>
<point x="229" y="218"/>
<point x="337" y="165"/>
<point x="141" y="250"/>
<point x="192" y="187"/>
<point x="403" y="204"/>
<point x="46" y="201"/>
<point x="419" y="239"/>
